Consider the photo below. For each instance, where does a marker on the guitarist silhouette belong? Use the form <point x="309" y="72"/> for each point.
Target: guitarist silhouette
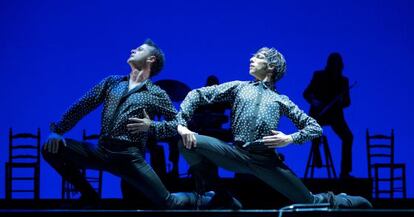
<point x="328" y="95"/>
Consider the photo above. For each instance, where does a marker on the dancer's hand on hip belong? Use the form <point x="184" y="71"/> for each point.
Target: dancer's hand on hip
<point x="277" y="140"/>
<point x="138" y="125"/>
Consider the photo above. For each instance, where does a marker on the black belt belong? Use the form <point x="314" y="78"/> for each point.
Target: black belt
<point x="258" y="148"/>
<point x="116" y="144"/>
<point x="257" y="145"/>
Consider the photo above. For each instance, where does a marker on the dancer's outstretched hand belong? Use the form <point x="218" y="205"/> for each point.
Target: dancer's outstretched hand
<point x="188" y="136"/>
<point x="52" y="143"/>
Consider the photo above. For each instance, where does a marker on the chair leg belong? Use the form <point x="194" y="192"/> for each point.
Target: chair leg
<point x="37" y="183"/>
<point x="376" y="183"/>
<point x="308" y="163"/>
<point x="328" y="158"/>
<point x="100" y="183"/>
<point x="392" y="190"/>
<point x="404" y="187"/>
<point x="7" y="181"/>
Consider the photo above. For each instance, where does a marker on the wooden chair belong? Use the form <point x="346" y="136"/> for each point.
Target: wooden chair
<point x="388" y="177"/>
<point x="23" y="166"/>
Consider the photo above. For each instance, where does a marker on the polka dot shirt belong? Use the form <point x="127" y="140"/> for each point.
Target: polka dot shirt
<point x="119" y="104"/>
<point x="256" y="110"/>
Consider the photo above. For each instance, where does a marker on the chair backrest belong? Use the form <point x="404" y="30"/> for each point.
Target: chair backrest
<point x="380" y="149"/>
<point x="24" y="147"/>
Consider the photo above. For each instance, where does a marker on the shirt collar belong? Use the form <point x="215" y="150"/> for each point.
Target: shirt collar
<point x="264" y="84"/>
<point x="143" y="86"/>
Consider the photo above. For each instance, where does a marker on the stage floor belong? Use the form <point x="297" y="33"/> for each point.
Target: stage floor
<point x="209" y="213"/>
<point x="258" y="201"/>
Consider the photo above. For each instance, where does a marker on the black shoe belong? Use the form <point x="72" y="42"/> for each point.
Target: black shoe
<point x="343" y="200"/>
<point x="346" y="176"/>
<point x="203" y="200"/>
<point x="188" y="200"/>
<point x="89" y="202"/>
<point x="224" y="200"/>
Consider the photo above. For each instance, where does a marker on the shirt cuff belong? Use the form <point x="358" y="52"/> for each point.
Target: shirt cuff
<point x="152" y="128"/>
<point x="55" y="129"/>
<point x="296" y="138"/>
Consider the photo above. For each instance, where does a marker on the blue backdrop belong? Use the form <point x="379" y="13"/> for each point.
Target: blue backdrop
<point x="51" y="52"/>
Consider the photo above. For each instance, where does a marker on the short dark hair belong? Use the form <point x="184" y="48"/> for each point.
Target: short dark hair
<point x="157" y="66"/>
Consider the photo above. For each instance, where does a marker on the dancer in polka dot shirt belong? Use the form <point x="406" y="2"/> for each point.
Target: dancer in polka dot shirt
<point x="256" y="111"/>
<point x="128" y="102"/>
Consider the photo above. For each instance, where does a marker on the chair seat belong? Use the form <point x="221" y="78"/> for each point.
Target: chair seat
<point x="389" y="179"/>
<point x="384" y="165"/>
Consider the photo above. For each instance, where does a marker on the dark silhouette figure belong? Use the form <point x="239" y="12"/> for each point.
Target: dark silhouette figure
<point x="328" y="94"/>
<point x="208" y="119"/>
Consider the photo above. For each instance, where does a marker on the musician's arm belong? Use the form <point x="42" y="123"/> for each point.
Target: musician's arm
<point x="308" y="94"/>
<point x="346" y="99"/>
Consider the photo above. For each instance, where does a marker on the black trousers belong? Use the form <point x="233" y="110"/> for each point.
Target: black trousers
<point x="340" y="127"/>
<point x="269" y="168"/>
<point x="126" y="162"/>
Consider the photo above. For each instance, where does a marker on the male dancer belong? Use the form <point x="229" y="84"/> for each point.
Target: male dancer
<point x="256" y="111"/>
<point x="124" y="131"/>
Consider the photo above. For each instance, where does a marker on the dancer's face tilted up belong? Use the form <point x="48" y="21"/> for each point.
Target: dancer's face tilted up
<point x="259" y="66"/>
<point x="140" y="55"/>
